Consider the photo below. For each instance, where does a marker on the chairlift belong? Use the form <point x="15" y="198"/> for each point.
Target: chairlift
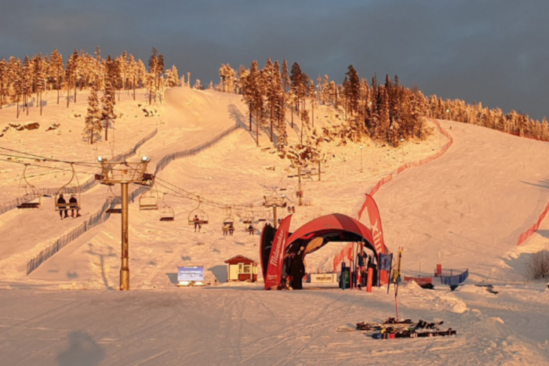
<point x="149" y="200"/>
<point x="73" y="190"/>
<point x="29" y="199"/>
<point x="248" y="219"/>
<point x="166" y="212"/>
<point x="111" y="196"/>
<point x="198" y="215"/>
<point x="229" y="219"/>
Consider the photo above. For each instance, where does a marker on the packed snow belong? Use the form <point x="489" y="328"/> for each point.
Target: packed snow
<point x="463" y="210"/>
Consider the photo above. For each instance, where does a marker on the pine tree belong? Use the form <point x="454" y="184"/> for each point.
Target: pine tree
<point x="285" y="77"/>
<point x="3" y="80"/>
<point x="39" y="76"/>
<point x="93" y="125"/>
<point x="153" y="67"/>
<point x="352" y="90"/>
<point x="14" y="74"/>
<point x="109" y="98"/>
<point x="26" y="82"/>
<point x="56" y="70"/>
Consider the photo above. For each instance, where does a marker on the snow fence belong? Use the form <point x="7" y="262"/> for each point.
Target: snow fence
<point x="102" y="215"/>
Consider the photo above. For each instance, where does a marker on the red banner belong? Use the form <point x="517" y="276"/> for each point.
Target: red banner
<point x="276" y="259"/>
<point x="375" y="223"/>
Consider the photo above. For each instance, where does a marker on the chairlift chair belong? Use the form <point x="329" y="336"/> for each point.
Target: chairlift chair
<point x="229" y="219"/>
<point x="148" y="200"/>
<point x="166" y="212"/>
<point x="201" y="215"/>
<point x="29" y="199"/>
<point x="66" y="189"/>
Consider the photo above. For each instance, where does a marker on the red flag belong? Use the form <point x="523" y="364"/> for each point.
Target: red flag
<point x="377" y="230"/>
<point x="276" y="259"/>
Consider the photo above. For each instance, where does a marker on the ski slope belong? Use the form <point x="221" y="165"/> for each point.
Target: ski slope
<point x="469" y="205"/>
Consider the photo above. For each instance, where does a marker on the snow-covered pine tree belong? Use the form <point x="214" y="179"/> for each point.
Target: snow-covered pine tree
<point x="173" y="80"/>
<point x="270" y="91"/>
<point x="296" y="79"/>
<point x="153" y="67"/>
<point x="141" y="76"/>
<point x="109" y="98"/>
<point x="159" y="71"/>
<point x="312" y="100"/>
<point x="93" y="124"/>
<point x="325" y="98"/>
<point x="3" y="80"/>
<point x="352" y="90"/>
<point x="40" y="79"/>
<point x="132" y="74"/>
<point x="285" y="77"/>
<point x="56" y="70"/>
<point x="26" y="82"/>
<point x="14" y="72"/>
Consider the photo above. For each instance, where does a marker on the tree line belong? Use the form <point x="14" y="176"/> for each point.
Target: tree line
<point x="513" y="122"/>
<point x="20" y="80"/>
<point x="385" y="112"/>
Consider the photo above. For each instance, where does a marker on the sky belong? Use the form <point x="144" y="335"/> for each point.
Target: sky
<point x="495" y="52"/>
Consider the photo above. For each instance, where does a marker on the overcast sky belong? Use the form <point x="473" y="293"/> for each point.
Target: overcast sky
<point x="496" y="52"/>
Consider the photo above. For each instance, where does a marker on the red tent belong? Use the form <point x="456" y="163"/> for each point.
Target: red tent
<point x="333" y="227"/>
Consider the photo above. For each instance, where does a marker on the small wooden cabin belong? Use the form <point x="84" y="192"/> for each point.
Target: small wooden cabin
<point x="240" y="268"/>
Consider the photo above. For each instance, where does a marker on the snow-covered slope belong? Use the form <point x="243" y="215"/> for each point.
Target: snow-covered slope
<point x="469" y="205"/>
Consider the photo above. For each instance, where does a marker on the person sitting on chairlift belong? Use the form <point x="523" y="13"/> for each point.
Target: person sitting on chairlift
<point x="225" y="229"/>
<point x="61" y="201"/>
<point x="196" y="223"/>
<point x="73" y="203"/>
<point x="231" y="229"/>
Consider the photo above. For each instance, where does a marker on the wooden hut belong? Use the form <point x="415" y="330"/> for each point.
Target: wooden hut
<point x="240" y="268"/>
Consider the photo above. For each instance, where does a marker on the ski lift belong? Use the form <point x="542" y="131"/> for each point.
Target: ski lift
<point x="248" y="219"/>
<point x="166" y="212"/>
<point x="229" y="219"/>
<point x="198" y="215"/>
<point x="149" y="200"/>
<point x="66" y="189"/>
<point x="29" y="199"/>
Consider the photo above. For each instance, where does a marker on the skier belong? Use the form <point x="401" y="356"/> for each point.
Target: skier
<point x="251" y="230"/>
<point x="61" y="201"/>
<point x="73" y="203"/>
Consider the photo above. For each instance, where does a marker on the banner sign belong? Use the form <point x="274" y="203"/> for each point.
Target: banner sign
<point x="276" y="259"/>
<point x="195" y="273"/>
<point x="385" y="261"/>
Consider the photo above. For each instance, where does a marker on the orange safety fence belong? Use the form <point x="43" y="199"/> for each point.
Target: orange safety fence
<point x="402" y="168"/>
<point x="528" y="233"/>
<point x="339" y="257"/>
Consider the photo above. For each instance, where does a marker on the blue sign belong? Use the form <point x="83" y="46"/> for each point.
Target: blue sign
<point x="195" y="273"/>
